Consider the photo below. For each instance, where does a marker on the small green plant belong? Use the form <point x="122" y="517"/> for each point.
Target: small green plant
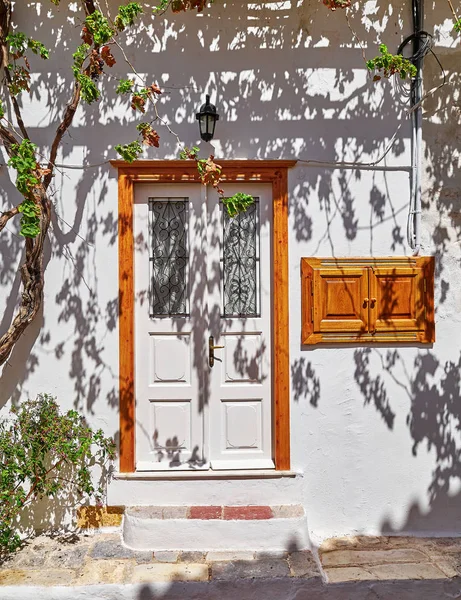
<point x="391" y="64"/>
<point x="457" y="26"/>
<point x="45" y="454"/>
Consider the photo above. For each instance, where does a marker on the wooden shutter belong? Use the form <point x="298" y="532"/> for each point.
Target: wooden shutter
<point x="367" y="300"/>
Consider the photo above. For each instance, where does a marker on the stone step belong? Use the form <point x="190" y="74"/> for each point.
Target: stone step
<point x="216" y="528"/>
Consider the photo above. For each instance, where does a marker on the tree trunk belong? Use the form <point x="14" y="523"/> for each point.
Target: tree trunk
<point x="32" y="277"/>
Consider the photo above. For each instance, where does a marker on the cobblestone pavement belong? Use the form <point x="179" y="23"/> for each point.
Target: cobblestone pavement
<point x="101" y="559"/>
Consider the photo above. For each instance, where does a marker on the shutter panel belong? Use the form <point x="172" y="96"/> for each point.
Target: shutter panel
<point x="399" y="300"/>
<point x="334" y="301"/>
<point x="340" y="300"/>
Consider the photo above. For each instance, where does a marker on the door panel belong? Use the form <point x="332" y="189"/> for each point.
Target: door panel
<point x="240" y="380"/>
<point x="169" y="335"/>
<point x="198" y="274"/>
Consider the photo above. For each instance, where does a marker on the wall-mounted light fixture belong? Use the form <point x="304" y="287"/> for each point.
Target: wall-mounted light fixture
<point x="207" y="118"/>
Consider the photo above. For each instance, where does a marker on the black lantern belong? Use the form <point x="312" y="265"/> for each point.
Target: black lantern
<point x="207" y="118"/>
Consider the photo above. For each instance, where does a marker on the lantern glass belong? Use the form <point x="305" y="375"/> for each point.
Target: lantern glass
<point x="207" y="118"/>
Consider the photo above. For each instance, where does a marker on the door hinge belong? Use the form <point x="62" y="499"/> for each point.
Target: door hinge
<point x="425" y="284"/>
<point x="312" y="313"/>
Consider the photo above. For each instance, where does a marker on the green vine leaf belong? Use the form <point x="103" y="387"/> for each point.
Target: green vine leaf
<point x="189" y="153"/>
<point x="237" y="203"/>
<point x="127" y="14"/>
<point x="30" y="220"/>
<point x="23" y="160"/>
<point x="89" y="91"/>
<point x="38" y="48"/>
<point x="20" y="43"/>
<point x="457" y="26"/>
<point x="124" y="86"/>
<point x="129" y="152"/>
<point x="80" y="56"/>
<point x="162" y="7"/>
<point x="97" y="26"/>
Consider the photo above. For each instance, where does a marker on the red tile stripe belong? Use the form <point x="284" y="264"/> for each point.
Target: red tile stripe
<point x="247" y="513"/>
<point x="236" y="513"/>
<point x="205" y="512"/>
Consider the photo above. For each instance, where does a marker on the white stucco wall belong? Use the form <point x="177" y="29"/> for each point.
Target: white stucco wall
<point x="375" y="431"/>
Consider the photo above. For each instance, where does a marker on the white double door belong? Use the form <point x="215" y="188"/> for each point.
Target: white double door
<point x="202" y="279"/>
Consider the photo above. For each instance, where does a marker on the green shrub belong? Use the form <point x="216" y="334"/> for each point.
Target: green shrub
<point x="45" y="454"/>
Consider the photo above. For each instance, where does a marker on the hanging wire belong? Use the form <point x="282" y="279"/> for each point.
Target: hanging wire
<point x="404" y="87"/>
<point x="423" y="43"/>
<point x="426" y="43"/>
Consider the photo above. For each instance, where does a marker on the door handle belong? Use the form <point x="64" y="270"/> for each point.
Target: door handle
<point x="211" y="349"/>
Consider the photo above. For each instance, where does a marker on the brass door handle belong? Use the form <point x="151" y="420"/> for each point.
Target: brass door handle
<point x="211" y="349"/>
<point x="372" y="302"/>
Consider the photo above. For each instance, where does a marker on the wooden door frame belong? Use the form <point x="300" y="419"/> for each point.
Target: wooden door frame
<point x="274" y="172"/>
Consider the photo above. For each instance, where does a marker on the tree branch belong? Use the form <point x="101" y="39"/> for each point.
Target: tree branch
<point x="17" y="110"/>
<point x="6" y="216"/>
<point x="455" y="16"/>
<point x="89" y="7"/>
<point x="7" y="138"/>
<point x="31" y="278"/>
<point x="5" y="20"/>
<point x="61" y="130"/>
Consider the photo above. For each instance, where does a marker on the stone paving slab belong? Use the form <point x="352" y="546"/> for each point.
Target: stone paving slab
<point x="250" y="569"/>
<point x="93" y="559"/>
<point x="362" y="558"/>
<point x="157" y="572"/>
<point x="376" y="556"/>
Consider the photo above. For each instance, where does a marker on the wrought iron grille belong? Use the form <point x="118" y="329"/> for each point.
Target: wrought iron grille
<point x="169" y="257"/>
<point x="241" y="263"/>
